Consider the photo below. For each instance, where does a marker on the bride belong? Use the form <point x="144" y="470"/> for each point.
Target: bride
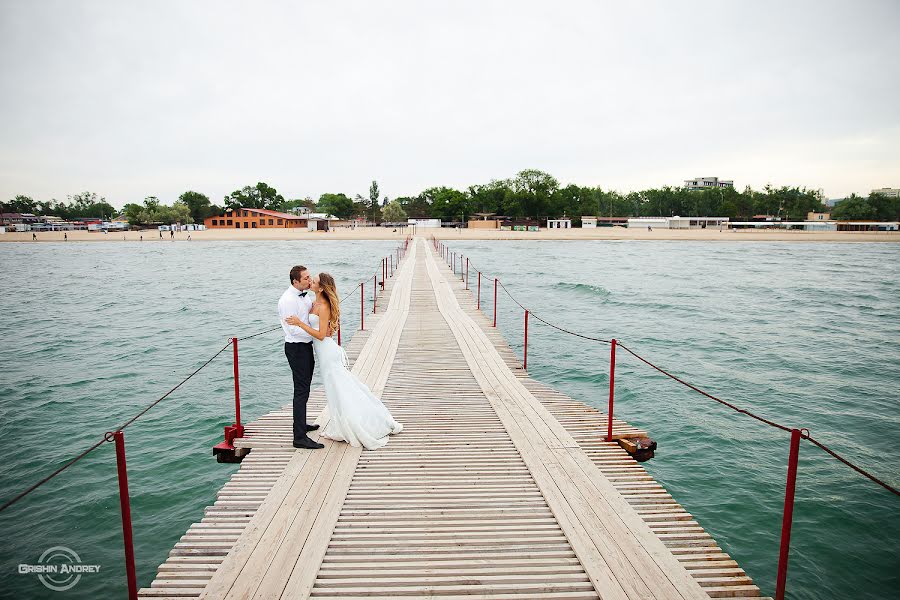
<point x="356" y="415"/>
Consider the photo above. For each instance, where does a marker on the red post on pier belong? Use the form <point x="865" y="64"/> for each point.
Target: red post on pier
<point x="125" y="505"/>
<point x="237" y="430"/>
<point x="525" y="353"/>
<point x="362" y="307"/>
<point x="479" y="290"/>
<point x="339" y="334"/>
<point x="612" y="387"/>
<point x="495" y="301"/>
<point x="462" y="276"/>
<point x="374" y="294"/>
<point x="788" y="517"/>
<point x="467" y="272"/>
<point x="383" y="270"/>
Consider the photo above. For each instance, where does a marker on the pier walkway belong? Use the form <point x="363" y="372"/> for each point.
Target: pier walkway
<point x="498" y="488"/>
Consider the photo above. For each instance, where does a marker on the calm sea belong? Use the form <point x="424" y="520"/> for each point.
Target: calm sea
<point x="804" y="334"/>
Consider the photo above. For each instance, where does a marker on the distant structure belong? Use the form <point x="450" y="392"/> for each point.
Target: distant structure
<point x="818" y="216"/>
<point x="704" y="183"/>
<point x="251" y="218"/>
<point x="889" y="192"/>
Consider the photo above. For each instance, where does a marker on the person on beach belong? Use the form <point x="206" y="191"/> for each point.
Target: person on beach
<point x="296" y="303"/>
<point x="356" y="415"/>
<point x="33" y="237"/>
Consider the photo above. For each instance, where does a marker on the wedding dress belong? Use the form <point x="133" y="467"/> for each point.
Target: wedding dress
<point x="356" y="415"/>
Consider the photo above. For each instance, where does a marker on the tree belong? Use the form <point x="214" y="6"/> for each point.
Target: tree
<point x="261" y="195"/>
<point x="338" y="205"/>
<point x="534" y="189"/>
<point x="19" y="204"/>
<point x="393" y="212"/>
<point x="373" y="201"/>
<point x="88" y="204"/>
<point x="198" y="205"/>
<point x="854" y="208"/>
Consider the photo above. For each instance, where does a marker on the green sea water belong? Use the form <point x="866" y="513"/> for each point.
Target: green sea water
<point x="804" y="334"/>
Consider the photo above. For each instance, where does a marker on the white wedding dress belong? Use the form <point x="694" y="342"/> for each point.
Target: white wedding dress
<point x="356" y="415"/>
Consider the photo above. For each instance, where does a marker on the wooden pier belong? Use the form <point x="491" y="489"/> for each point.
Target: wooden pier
<point x="498" y="488"/>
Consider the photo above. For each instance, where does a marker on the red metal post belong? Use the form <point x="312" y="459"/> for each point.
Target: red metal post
<point x="467" y="272"/>
<point x="495" y="301"/>
<point x="238" y="428"/>
<point x="479" y="290"/>
<point x="375" y="294"/>
<point x="125" y="504"/>
<point x="612" y="387"/>
<point x="525" y="354"/>
<point x="788" y="517"/>
<point x="362" y="307"/>
<point x="339" y="335"/>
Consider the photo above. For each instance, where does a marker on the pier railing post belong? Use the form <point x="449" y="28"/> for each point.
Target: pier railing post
<point x="362" y="307"/>
<point x="525" y="353"/>
<point x="339" y="334"/>
<point x="467" y="272"/>
<point x="375" y="294"/>
<point x="479" y="290"/>
<point x="238" y="428"/>
<point x="495" y="302"/>
<point x="125" y="505"/>
<point x="612" y="388"/>
<point x="788" y="517"/>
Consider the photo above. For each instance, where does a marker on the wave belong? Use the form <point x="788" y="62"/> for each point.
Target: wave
<point x="584" y="288"/>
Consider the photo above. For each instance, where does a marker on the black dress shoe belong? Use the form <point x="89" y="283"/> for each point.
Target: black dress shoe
<point x="308" y="444"/>
<point x="311" y="427"/>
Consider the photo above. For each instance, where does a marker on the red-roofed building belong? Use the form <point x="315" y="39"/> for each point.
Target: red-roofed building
<point x="253" y="218"/>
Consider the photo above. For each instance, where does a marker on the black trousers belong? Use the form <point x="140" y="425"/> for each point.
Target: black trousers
<point x="302" y="361"/>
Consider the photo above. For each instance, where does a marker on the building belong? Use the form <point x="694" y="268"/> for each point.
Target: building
<point x="588" y="222"/>
<point x="559" y="223"/>
<point x="252" y="218"/>
<point x="817" y="216"/>
<point x="705" y="183"/>
<point x="889" y="192"/>
<point x="426" y="223"/>
<point x="677" y="222"/>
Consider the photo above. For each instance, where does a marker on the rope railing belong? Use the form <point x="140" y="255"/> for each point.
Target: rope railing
<point x="450" y="257"/>
<point x="117" y="435"/>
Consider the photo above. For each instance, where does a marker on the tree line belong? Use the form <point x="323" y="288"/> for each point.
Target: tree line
<point x="531" y="194"/>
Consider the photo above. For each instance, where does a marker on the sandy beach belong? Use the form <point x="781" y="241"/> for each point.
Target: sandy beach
<point x="384" y="233"/>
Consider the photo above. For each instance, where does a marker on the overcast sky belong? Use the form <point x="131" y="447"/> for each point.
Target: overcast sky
<point x="131" y="99"/>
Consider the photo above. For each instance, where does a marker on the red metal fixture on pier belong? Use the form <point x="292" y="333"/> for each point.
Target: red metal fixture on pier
<point x="225" y="450"/>
<point x="125" y="505"/>
<point x="362" y="307"/>
<point x="612" y="387"/>
<point x="495" y="302"/>
<point x="788" y="517"/>
<point x="525" y="353"/>
<point x="479" y="290"/>
<point x="374" y="293"/>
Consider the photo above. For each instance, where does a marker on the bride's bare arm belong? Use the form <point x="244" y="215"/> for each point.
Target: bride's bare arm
<point x="321" y="333"/>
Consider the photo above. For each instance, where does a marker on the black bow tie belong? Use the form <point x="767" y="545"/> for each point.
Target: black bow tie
<point x="302" y="294"/>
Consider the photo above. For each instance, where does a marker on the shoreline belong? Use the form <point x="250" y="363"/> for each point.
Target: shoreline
<point x="385" y="233"/>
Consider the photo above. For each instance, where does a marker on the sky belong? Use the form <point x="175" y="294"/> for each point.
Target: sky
<point x="136" y="99"/>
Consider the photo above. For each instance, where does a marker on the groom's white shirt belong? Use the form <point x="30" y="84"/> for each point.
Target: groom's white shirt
<point x="289" y="304"/>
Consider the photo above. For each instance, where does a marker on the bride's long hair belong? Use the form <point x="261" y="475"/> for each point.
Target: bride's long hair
<point x="329" y="290"/>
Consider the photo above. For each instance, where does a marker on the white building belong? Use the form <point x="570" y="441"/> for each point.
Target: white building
<point x="889" y="192"/>
<point x="705" y="183"/>
<point x="677" y="222"/>
<point x="588" y="222"/>
<point x="424" y="222"/>
<point x="559" y="223"/>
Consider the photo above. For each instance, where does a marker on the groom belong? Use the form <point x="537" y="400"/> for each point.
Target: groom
<point x="297" y="300"/>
